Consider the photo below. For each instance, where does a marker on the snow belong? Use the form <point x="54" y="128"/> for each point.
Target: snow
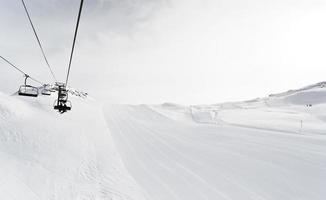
<point x="45" y="155"/>
<point x="271" y="148"/>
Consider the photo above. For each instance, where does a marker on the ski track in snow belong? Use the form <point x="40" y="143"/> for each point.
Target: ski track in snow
<point x="174" y="160"/>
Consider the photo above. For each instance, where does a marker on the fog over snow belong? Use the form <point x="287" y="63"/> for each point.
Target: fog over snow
<point x="184" y="51"/>
<point x="180" y="52"/>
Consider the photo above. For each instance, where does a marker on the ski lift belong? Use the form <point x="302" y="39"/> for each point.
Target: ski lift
<point x="57" y="85"/>
<point x="28" y="90"/>
<point x="46" y="90"/>
<point x="52" y="89"/>
<point x="62" y="104"/>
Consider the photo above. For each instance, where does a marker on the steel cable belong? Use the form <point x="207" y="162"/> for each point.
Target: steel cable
<point x="38" y="40"/>
<point x="74" y="41"/>
<point x="21" y="71"/>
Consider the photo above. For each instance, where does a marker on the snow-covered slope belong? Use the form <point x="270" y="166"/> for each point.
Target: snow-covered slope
<point x="272" y="148"/>
<point x="296" y="111"/>
<point x="48" y="156"/>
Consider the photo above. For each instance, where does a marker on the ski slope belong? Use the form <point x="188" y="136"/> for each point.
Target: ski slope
<point x="48" y="156"/>
<point x="271" y="148"/>
<point x="242" y="150"/>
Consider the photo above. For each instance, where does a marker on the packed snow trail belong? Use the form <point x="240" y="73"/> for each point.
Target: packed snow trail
<point x="173" y="156"/>
<point x="266" y="149"/>
<point x="48" y="156"/>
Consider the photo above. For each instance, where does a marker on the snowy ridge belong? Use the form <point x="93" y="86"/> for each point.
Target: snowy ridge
<point x="313" y="86"/>
<point x="295" y="111"/>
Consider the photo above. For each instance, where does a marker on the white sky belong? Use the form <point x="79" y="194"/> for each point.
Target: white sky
<point x="182" y="51"/>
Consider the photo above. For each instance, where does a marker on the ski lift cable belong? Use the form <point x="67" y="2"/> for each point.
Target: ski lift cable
<point x="21" y="71"/>
<point x="38" y="40"/>
<point x="74" y="41"/>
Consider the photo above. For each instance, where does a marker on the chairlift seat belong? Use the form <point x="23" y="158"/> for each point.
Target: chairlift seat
<point x="62" y="96"/>
<point x="46" y="92"/>
<point x="59" y="84"/>
<point x="62" y="106"/>
<point x="28" y="90"/>
<point x="52" y="89"/>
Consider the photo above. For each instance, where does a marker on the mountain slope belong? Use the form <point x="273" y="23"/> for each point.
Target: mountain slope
<point x="270" y="148"/>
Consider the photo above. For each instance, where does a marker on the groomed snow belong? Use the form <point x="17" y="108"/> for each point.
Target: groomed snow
<point x="272" y="148"/>
<point x="266" y="149"/>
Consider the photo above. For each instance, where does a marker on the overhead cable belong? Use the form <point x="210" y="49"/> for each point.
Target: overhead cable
<point x="74" y="41"/>
<point x="38" y="41"/>
<point x="21" y="71"/>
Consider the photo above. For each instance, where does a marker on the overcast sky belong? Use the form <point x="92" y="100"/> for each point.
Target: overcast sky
<point x="182" y="51"/>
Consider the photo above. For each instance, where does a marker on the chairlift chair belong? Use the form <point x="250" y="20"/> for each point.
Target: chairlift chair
<point x="57" y="85"/>
<point x="62" y="104"/>
<point x="60" y="84"/>
<point x="46" y="90"/>
<point x="52" y="89"/>
<point x="28" y="90"/>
